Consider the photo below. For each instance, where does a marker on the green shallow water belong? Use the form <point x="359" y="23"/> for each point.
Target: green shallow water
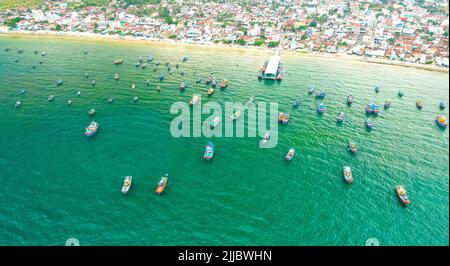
<point x="58" y="184"/>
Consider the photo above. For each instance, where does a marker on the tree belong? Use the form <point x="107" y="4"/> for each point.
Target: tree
<point x="258" y="42"/>
<point x="12" y="23"/>
<point x="172" y="36"/>
<point x="273" y="44"/>
<point x="241" y="42"/>
<point x="58" y="27"/>
<point x="304" y="37"/>
<point x="313" y="24"/>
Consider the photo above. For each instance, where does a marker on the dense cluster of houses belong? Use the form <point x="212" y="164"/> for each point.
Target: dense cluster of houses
<point x="414" y="31"/>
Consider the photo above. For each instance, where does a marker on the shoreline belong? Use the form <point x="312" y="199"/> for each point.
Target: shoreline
<point x="95" y="36"/>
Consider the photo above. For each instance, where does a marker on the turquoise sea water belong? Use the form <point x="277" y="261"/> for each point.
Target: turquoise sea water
<point x="58" y="184"/>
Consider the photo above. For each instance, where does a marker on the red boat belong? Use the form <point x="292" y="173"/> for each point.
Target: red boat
<point x="161" y="185"/>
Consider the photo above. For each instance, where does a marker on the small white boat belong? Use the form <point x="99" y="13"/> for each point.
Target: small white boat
<point x="51" y="98"/>
<point x="235" y="115"/>
<point x="194" y="100"/>
<point x="133" y="86"/>
<point x="348" y="174"/>
<point x="91" y="112"/>
<point x="215" y="122"/>
<point x="127" y="184"/>
<point x="265" y="138"/>
<point x="290" y="154"/>
<point x="18" y="104"/>
<point x="78" y="93"/>
<point x="69" y="102"/>
<point x="135" y="99"/>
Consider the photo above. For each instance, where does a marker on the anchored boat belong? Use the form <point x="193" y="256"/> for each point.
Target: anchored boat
<point x="369" y="124"/>
<point x="91" y="112"/>
<point x="341" y="117"/>
<point x="265" y="138"/>
<point x="162" y="185"/>
<point x="321" y="108"/>
<point x="283" y="117"/>
<point x="296" y="103"/>
<point x="419" y="104"/>
<point x="194" y="100"/>
<point x="442" y="105"/>
<point x="118" y="61"/>
<point x="349" y="99"/>
<point x="442" y="121"/>
<point x="210" y="91"/>
<point x="352" y="147"/>
<point x="348" y="177"/>
<point x="126" y="184"/>
<point x="401" y="193"/>
<point x="91" y="129"/>
<point x="209" y="151"/>
<point x="387" y="104"/>
<point x="290" y="154"/>
<point x="215" y="122"/>
<point x="223" y="84"/>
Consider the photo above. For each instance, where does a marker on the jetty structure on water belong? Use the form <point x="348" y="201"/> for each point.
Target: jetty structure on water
<point x="272" y="68"/>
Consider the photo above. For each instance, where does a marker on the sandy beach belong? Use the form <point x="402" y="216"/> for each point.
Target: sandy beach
<point x="94" y="36"/>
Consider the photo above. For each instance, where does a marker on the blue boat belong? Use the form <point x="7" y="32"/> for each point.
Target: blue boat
<point x="320" y="94"/>
<point x="161" y="77"/>
<point x="209" y="151"/>
<point x="321" y="108"/>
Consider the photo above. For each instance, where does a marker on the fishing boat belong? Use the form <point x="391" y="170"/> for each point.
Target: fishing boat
<point x="110" y="99"/>
<point x="296" y="103"/>
<point x="209" y="80"/>
<point x="283" y="117"/>
<point x="209" y="151"/>
<point x="40" y="62"/>
<point x="419" y="104"/>
<point x="51" y="98"/>
<point x="43" y="54"/>
<point x="91" y="129"/>
<point x="149" y="59"/>
<point x="18" y="104"/>
<point x="22" y="91"/>
<point x="93" y="82"/>
<point x="290" y="154"/>
<point x="210" y="91"/>
<point x="321" y="108"/>
<point x="78" y="93"/>
<point x="118" y="61"/>
<point x="265" y="138"/>
<point x="235" y="115"/>
<point x="215" y="122"/>
<point x="91" y="112"/>
<point x="341" y="117"/>
<point x="400" y="94"/>
<point x="377" y="89"/>
<point x="177" y="65"/>
<point x="183" y="85"/>
<point x="251" y="100"/>
<point x="198" y="81"/>
<point x="36" y="51"/>
<point x="135" y="99"/>
<point x="86" y="74"/>
<point x="213" y="83"/>
<point x="157" y="63"/>
<point x="352" y="147"/>
<point x="161" y="77"/>
<point x="373" y="108"/>
<point x="223" y="84"/>
<point x="20" y="51"/>
<point x="144" y="66"/>
<point x="133" y="86"/>
<point x="147" y="82"/>
<point x="7" y="49"/>
<point x="137" y="64"/>
<point x="184" y="59"/>
<point x="34" y="66"/>
<point x="311" y="90"/>
<point x="69" y="102"/>
<point x="158" y="88"/>
<point x="401" y="193"/>
<point x="162" y="185"/>
<point x="348" y="177"/>
<point x="59" y="82"/>
<point x="272" y="69"/>
<point x="369" y="124"/>
<point x="320" y="95"/>
<point x="387" y="104"/>
<point x="194" y="100"/>
<point x="442" y="121"/>
<point x="116" y="76"/>
<point x="127" y="184"/>
<point x="442" y="104"/>
<point x="349" y="99"/>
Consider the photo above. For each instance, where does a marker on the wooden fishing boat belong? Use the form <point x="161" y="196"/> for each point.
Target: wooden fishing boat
<point x="209" y="151"/>
<point x="223" y="84"/>
<point x="401" y="193"/>
<point x="195" y="99"/>
<point x="210" y="91"/>
<point x="91" y="112"/>
<point x="118" y="61"/>
<point x="442" y="121"/>
<point x="352" y="147"/>
<point x="162" y="185"/>
<point x="290" y="154"/>
<point x="348" y="176"/>
<point x="91" y="129"/>
<point x="265" y="138"/>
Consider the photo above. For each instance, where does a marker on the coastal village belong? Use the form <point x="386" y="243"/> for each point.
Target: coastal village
<point x="412" y="31"/>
